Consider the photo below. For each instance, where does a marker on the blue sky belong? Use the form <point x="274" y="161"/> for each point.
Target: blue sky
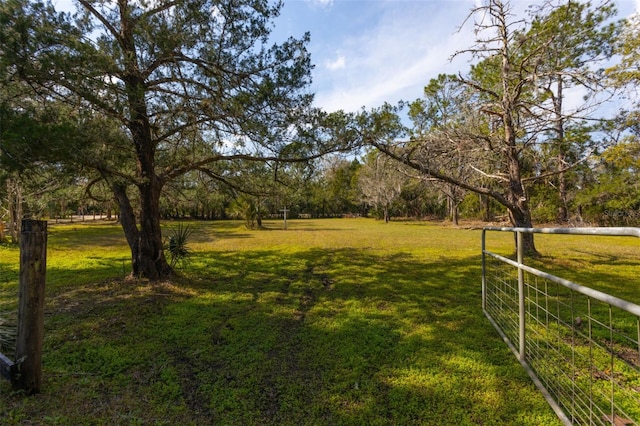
<point x="367" y="52"/>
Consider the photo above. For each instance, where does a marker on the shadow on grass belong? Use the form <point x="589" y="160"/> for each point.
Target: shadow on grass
<point x="101" y="235"/>
<point x="315" y="337"/>
<point x="349" y="337"/>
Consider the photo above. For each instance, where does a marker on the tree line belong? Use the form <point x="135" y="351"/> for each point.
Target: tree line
<point x="173" y="108"/>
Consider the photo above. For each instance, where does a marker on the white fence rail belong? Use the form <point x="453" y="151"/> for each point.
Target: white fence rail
<point x="580" y="346"/>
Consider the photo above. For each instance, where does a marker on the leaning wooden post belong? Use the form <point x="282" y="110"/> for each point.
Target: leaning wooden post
<point x="33" y="266"/>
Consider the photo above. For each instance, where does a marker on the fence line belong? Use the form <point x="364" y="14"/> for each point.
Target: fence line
<point x="580" y="346"/>
<point x="8" y="320"/>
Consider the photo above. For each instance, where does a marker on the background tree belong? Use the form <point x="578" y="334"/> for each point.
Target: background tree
<point x="419" y="198"/>
<point x="380" y="183"/>
<point x="260" y="191"/>
<point x="610" y="194"/>
<point x="496" y="116"/>
<point x="31" y="173"/>
<point x="337" y="188"/>
<point x="613" y="199"/>
<point x="627" y="71"/>
<point x="494" y="126"/>
<point x="570" y="43"/>
<point x="440" y="108"/>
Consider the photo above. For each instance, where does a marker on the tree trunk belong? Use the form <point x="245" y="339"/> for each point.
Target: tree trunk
<point x="152" y="263"/>
<point x="521" y="218"/>
<point x="259" y="217"/>
<point x="516" y="196"/>
<point x="452" y="205"/>
<point x="563" y="211"/>
<point x="147" y="255"/>
<point x="127" y="220"/>
<point x="518" y="206"/>
<point x="12" y="211"/>
<point x="454" y="213"/>
<point x="520" y="215"/>
<point x="15" y="207"/>
<point x="563" y="214"/>
<point x="486" y="208"/>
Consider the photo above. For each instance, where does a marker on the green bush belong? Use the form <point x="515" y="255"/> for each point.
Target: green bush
<point x="176" y="245"/>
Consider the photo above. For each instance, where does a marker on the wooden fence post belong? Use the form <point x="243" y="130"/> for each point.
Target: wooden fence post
<point x="33" y="266"/>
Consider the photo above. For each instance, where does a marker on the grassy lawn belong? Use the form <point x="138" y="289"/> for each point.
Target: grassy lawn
<point x="342" y="321"/>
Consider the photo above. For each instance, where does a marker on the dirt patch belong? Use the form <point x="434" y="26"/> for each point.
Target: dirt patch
<point x="88" y="298"/>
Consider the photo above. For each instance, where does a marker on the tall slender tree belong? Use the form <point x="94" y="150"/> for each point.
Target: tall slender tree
<point x="571" y="43"/>
<point x="444" y="99"/>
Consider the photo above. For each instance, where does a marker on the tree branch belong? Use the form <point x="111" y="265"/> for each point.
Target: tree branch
<point x="101" y="18"/>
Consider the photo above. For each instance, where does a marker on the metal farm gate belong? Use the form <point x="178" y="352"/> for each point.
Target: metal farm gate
<point x="580" y="346"/>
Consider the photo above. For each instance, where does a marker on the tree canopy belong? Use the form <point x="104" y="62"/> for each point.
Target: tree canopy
<point x="170" y="87"/>
<point x="168" y="108"/>
<point x="487" y="131"/>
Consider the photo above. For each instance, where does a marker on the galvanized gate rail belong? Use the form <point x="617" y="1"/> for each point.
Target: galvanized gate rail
<point x="580" y="346"/>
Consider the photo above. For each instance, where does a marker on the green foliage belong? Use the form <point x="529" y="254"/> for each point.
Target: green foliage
<point x="177" y="245"/>
<point x="545" y="205"/>
<point x="614" y="198"/>
<point x="440" y="105"/>
<point x="247" y="208"/>
<point x="479" y="207"/>
<point x="626" y="71"/>
<point x="25" y="135"/>
<point x="338" y="189"/>
<point x="181" y="90"/>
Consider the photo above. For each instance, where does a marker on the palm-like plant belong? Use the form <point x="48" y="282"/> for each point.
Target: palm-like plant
<point x="176" y="245"/>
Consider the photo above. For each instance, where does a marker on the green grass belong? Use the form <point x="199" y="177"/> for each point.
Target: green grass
<point x="345" y="321"/>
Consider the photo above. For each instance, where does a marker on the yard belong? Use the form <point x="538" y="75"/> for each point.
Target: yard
<point x="337" y="321"/>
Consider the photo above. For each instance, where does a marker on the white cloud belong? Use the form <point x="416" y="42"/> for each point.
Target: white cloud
<point x="395" y="58"/>
<point x="321" y="3"/>
<point x="397" y="52"/>
<point x="338" y="63"/>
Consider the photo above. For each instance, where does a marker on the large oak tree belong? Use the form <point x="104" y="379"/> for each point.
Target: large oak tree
<point x="177" y="85"/>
